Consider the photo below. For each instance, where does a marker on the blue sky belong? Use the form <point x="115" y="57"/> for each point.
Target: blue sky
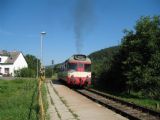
<point x="21" y="22"/>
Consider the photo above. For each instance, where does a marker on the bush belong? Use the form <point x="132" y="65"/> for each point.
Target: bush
<point x="25" y="72"/>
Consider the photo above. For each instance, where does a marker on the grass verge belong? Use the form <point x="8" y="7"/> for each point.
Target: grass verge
<point x="136" y="98"/>
<point x="44" y="98"/>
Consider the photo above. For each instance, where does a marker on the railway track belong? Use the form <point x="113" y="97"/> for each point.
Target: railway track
<point x="126" y="109"/>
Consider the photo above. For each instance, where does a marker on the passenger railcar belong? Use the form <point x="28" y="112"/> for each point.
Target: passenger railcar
<point x="76" y="71"/>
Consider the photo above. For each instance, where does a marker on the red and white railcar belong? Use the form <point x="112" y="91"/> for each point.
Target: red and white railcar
<point x="76" y="71"/>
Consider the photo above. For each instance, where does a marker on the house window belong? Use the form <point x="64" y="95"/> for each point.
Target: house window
<point x="6" y="70"/>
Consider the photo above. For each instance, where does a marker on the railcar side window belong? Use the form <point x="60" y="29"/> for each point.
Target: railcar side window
<point x="72" y="66"/>
<point x="87" y="67"/>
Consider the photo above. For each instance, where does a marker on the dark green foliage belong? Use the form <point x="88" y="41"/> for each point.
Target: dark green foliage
<point x="51" y="70"/>
<point x="48" y="72"/>
<point x="56" y="68"/>
<point x="151" y="77"/>
<point x="32" y="62"/>
<point x="104" y="69"/>
<point x="141" y="50"/>
<point x="103" y="54"/>
<point x="25" y="72"/>
<point x="101" y="60"/>
<point x="135" y="65"/>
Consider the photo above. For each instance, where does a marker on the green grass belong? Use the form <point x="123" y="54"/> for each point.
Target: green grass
<point x="44" y="98"/>
<point x="18" y="99"/>
<point x="54" y="77"/>
<point x="136" y="98"/>
<point x="141" y="100"/>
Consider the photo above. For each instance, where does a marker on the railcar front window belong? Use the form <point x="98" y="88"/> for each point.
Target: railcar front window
<point x="87" y="67"/>
<point x="72" y="66"/>
<point x="80" y="65"/>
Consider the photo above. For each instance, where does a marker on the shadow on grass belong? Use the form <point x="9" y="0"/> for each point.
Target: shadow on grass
<point x="36" y="107"/>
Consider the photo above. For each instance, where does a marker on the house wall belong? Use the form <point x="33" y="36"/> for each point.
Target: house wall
<point x="20" y="63"/>
<point x="3" y="59"/>
<point x="10" y="66"/>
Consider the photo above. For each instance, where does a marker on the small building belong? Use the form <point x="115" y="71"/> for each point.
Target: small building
<point x="11" y="61"/>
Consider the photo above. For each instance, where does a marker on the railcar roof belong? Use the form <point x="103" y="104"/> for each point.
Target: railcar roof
<point x="72" y="59"/>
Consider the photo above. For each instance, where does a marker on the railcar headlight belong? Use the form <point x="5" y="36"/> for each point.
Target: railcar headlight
<point x="72" y="77"/>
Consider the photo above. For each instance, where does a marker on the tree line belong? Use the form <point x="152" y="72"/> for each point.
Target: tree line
<point x="134" y="65"/>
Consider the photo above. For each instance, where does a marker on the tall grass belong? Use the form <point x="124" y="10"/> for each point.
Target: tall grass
<point x="18" y="100"/>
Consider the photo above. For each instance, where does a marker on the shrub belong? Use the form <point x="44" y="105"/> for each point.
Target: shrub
<point x="25" y="72"/>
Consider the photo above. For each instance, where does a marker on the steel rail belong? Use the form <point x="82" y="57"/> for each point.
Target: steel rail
<point x="122" y="107"/>
<point x="142" y="108"/>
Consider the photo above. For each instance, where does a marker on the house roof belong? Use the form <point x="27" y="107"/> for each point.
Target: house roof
<point x="4" y="53"/>
<point x="12" y="56"/>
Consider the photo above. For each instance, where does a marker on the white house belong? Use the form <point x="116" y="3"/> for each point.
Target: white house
<point x="11" y="61"/>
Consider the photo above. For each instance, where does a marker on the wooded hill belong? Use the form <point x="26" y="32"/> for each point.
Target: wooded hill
<point x="102" y="59"/>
